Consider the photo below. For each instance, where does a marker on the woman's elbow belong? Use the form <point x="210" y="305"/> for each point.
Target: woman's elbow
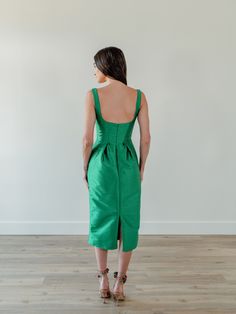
<point x="146" y="139"/>
<point x="87" y="141"/>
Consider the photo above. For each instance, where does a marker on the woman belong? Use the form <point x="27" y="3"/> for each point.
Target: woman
<point x="112" y="171"/>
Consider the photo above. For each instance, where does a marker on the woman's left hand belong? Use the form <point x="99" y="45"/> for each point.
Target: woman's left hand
<point x="85" y="178"/>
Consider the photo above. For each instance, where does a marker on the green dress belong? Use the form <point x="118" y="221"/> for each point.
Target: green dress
<point x="114" y="183"/>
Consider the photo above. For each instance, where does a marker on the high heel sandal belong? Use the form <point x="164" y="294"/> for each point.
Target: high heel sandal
<point x="119" y="296"/>
<point x="105" y="292"/>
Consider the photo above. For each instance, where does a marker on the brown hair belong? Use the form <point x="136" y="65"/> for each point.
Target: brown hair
<point x="111" y="62"/>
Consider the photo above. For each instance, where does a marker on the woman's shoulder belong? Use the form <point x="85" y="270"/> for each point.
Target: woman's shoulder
<point x="105" y="90"/>
<point x="130" y="89"/>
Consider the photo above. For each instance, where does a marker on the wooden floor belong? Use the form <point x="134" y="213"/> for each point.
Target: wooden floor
<point x="167" y="275"/>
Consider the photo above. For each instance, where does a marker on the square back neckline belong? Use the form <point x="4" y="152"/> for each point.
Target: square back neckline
<point x="117" y="123"/>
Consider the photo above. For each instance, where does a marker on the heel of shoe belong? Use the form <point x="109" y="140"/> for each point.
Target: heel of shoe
<point x="104" y="293"/>
<point x="119" y="296"/>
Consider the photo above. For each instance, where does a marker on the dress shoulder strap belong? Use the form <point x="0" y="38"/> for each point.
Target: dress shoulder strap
<point x="138" y="103"/>
<point x="96" y="100"/>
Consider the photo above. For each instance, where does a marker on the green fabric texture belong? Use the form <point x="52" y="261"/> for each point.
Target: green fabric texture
<point x="114" y="183"/>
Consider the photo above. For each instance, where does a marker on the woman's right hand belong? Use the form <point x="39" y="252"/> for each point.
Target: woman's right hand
<point x="141" y="174"/>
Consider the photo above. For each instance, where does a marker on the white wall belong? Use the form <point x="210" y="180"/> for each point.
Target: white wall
<point x="180" y="53"/>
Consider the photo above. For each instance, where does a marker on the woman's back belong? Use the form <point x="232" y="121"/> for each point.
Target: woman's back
<point x="117" y="103"/>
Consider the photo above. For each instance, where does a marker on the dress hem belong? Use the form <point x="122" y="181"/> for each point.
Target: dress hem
<point x="105" y="247"/>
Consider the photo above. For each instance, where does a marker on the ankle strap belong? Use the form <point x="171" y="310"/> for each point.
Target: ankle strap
<point x="122" y="276"/>
<point x="102" y="272"/>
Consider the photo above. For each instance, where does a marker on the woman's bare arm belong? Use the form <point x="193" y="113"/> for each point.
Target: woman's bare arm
<point x="89" y="122"/>
<point x="145" y="136"/>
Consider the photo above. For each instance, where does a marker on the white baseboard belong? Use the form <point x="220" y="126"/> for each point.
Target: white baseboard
<point x="146" y="227"/>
